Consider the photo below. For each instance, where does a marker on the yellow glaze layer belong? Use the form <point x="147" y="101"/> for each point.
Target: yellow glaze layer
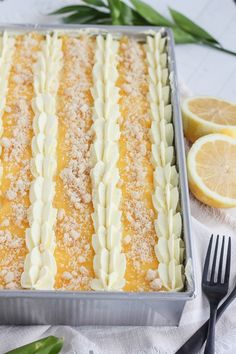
<point x="74" y="229"/>
<point x="16" y="155"/>
<point x="135" y="166"/>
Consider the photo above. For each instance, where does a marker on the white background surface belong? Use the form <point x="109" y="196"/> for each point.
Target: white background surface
<point x="203" y="70"/>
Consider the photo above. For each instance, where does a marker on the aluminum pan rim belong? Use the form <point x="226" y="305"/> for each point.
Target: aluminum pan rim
<point x="180" y="152"/>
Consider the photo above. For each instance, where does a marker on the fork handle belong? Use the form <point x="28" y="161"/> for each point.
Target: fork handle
<point x="194" y="343"/>
<point x="210" y="343"/>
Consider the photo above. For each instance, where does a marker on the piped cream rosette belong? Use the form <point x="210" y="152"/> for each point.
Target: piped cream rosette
<point x="109" y="263"/>
<point x="40" y="265"/>
<point x="168" y="225"/>
<point x="6" y="54"/>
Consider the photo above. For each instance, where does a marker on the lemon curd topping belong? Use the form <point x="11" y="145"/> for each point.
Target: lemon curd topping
<point x="17" y="121"/>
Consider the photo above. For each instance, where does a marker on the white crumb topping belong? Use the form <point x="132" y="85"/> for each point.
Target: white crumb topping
<point x="151" y="274"/>
<point x="156" y="284"/>
<point x="135" y="133"/>
<point x="76" y="115"/>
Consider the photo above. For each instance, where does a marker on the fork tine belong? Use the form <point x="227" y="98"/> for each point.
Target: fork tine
<point x="214" y="260"/>
<point x="207" y="260"/>
<point x="228" y="262"/>
<point x="221" y="261"/>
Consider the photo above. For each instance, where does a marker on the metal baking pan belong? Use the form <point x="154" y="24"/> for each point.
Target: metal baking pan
<point x="110" y="308"/>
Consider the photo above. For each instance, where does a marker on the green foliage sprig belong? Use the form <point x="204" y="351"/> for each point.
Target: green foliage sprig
<point x="48" y="345"/>
<point x="117" y="12"/>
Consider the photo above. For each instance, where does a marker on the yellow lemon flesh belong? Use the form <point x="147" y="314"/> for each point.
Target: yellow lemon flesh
<point x="211" y="167"/>
<point x="206" y="115"/>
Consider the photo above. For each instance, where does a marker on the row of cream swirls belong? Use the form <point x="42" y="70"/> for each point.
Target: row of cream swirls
<point x="168" y="225"/>
<point x="6" y="56"/>
<point x="109" y="261"/>
<point x="40" y="265"/>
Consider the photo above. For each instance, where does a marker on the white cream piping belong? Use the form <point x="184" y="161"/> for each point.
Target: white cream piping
<point x="40" y="265"/>
<point x="109" y="262"/>
<point x="168" y="225"/>
<point x="6" y="55"/>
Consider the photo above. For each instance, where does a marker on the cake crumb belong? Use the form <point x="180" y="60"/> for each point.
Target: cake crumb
<point x="67" y="276"/>
<point x="75" y="234"/>
<point x="11" y="286"/>
<point x="3" y="272"/>
<point x="83" y="270"/>
<point x="7" y="109"/>
<point x="156" y="284"/>
<point x="87" y="198"/>
<point x="5" y="222"/>
<point x="127" y="239"/>
<point x="87" y="247"/>
<point x="81" y="259"/>
<point x="11" y="194"/>
<point x="6" y="143"/>
<point x="61" y="214"/>
<point x="151" y="274"/>
<point x="9" y="277"/>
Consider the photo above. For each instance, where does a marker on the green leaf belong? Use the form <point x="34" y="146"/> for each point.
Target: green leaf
<point x="71" y="8"/>
<point x="126" y="14"/>
<point x="189" y="26"/>
<point x="101" y="21"/>
<point x="80" y="18"/>
<point x="139" y="20"/>
<point x="115" y="7"/>
<point x="85" y="16"/>
<point x="218" y="47"/>
<point x="151" y="15"/>
<point x="48" y="345"/>
<point x="182" y="37"/>
<point x="97" y="3"/>
<point x="130" y="17"/>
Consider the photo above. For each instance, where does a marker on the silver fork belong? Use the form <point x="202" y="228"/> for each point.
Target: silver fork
<point x="215" y="291"/>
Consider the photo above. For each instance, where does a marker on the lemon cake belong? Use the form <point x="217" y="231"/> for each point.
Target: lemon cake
<point x="89" y="190"/>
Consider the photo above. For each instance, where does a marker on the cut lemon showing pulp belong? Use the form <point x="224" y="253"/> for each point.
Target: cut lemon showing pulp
<point x="211" y="166"/>
<point x="205" y="115"/>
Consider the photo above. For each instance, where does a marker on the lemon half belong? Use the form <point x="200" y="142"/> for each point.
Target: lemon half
<point x="205" y="115"/>
<point x="211" y="165"/>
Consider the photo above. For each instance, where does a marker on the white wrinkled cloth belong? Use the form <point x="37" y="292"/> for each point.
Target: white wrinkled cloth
<point x="132" y="340"/>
